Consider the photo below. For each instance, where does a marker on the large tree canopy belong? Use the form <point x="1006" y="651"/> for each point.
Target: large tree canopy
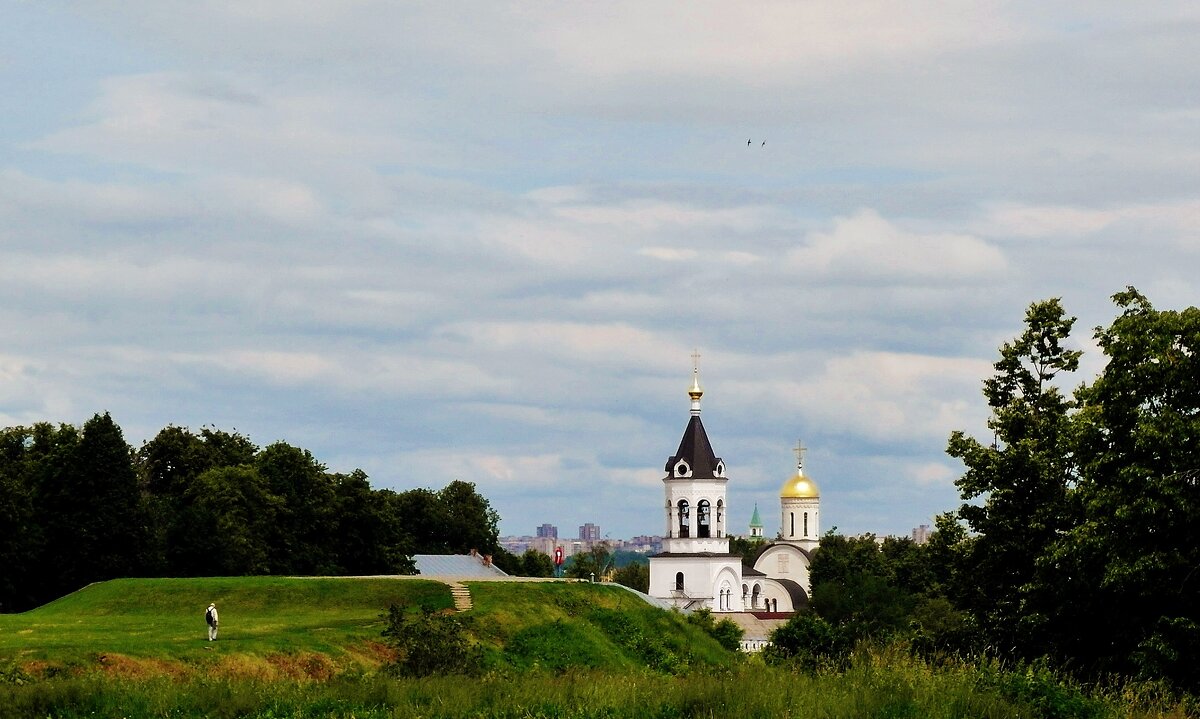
<point x="79" y="505"/>
<point x="1084" y="510"/>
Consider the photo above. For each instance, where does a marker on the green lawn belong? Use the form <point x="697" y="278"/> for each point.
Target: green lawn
<point x="164" y="618"/>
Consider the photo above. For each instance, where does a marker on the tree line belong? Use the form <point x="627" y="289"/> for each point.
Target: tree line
<point x="79" y="505"/>
<point x="1075" y="544"/>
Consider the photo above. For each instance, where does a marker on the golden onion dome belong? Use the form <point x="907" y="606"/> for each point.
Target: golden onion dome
<point x="799" y="487"/>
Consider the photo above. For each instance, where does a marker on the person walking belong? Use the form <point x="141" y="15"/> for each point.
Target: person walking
<point x="210" y="617"/>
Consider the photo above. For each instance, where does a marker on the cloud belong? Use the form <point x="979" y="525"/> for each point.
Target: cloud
<point x="866" y="246"/>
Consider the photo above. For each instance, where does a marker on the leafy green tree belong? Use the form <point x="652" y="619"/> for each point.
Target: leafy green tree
<point x="596" y="562"/>
<point x="839" y="559"/>
<point x="635" y="575"/>
<point x="1017" y="485"/>
<point x="1130" y="569"/>
<point x="95" y="522"/>
<point x="536" y="564"/>
<point x="229" y="524"/>
<point x="370" y="536"/>
<point x="303" y="539"/>
<point x="810" y="643"/>
<point x="746" y="548"/>
<point x="20" y="533"/>
<point x="470" y="521"/>
<point x="423" y="515"/>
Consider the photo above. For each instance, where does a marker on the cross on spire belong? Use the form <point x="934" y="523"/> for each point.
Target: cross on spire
<point x="696" y="361"/>
<point x="799" y="449"/>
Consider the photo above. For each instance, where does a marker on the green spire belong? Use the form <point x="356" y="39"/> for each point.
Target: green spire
<point x="755" y="520"/>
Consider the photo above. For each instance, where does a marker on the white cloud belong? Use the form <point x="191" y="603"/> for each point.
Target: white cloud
<point x="866" y="246"/>
<point x="885" y="396"/>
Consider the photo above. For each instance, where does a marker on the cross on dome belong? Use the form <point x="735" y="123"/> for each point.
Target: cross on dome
<point x="799" y="449"/>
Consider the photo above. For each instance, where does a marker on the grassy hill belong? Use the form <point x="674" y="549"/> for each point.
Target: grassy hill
<point x="274" y="626"/>
<point x="138" y="648"/>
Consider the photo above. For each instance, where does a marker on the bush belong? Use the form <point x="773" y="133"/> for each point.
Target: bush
<point x="727" y="633"/>
<point x="810" y="642"/>
<point x="431" y="642"/>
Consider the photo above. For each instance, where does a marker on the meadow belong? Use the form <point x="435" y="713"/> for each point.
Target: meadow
<point x="312" y="648"/>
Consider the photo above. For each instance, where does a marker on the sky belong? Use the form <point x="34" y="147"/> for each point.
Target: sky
<point x="481" y="240"/>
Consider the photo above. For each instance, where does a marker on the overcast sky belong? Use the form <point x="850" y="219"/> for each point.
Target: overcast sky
<point x="480" y="240"/>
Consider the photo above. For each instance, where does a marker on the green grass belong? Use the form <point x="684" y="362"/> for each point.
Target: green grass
<point x="164" y="618"/>
<point x="293" y="647"/>
<point x="585" y="626"/>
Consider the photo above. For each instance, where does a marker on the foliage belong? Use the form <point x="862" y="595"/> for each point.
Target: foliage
<point x="747" y="548"/>
<point x="78" y="505"/>
<point x="727" y="633"/>
<point x="810" y="643"/>
<point x="1084" y="509"/>
<point x="431" y="642"/>
<point x="1023" y="477"/>
<point x="634" y="575"/>
<point x="536" y="564"/>
<point x="594" y="563"/>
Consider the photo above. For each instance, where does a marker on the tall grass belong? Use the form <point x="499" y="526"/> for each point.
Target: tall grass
<point x="880" y="684"/>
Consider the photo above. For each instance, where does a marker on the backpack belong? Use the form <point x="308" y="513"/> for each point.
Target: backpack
<point x="208" y="616"/>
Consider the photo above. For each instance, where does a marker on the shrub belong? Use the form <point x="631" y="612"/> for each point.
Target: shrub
<point x="431" y="642"/>
<point x="810" y="642"/>
<point x="727" y="633"/>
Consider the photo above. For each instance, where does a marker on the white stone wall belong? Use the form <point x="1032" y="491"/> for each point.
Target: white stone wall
<point x="703" y="580"/>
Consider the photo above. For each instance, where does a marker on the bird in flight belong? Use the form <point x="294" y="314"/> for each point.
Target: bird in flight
<point x="764" y="143"/>
<point x="747" y="143"/>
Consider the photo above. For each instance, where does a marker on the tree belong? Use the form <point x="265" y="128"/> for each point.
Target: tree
<point x="95" y="523"/>
<point x="470" y="521"/>
<point x="371" y="538"/>
<point x="810" y="642"/>
<point x="1017" y="486"/>
<point x="536" y="564"/>
<point x="595" y="563"/>
<point x="303" y="539"/>
<point x="1131" y="566"/>
<point x="229" y="524"/>
<point x="746" y="548"/>
<point x="635" y="575"/>
<point x="20" y="533"/>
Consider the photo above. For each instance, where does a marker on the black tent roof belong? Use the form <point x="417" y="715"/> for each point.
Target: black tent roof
<point x="696" y="450"/>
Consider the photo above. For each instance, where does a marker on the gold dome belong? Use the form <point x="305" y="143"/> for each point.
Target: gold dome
<point x="799" y="487"/>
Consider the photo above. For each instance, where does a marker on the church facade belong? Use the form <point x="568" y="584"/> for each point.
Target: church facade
<point x="696" y="570"/>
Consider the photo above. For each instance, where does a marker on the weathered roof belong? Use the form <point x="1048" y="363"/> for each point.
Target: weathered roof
<point x="454" y="565"/>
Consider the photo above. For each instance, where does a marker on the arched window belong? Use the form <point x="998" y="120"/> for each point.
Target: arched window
<point x="745" y="592"/>
<point x="793" y="516"/>
<point x="679" y="581"/>
<point x="720" y="518"/>
<point x="702" y="528"/>
<point x="754" y="596"/>
<point x="806" y="524"/>
<point x="685" y="519"/>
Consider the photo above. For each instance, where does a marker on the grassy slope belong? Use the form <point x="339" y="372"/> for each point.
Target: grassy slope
<point x="164" y="618"/>
<point x="521" y="625"/>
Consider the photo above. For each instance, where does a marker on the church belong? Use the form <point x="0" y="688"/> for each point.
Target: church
<point x="696" y="570"/>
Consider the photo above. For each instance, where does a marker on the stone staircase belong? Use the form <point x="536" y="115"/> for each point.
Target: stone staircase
<point x="461" y="595"/>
